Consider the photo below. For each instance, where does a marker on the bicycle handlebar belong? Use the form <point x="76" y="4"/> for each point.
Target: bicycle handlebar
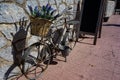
<point x="65" y="15"/>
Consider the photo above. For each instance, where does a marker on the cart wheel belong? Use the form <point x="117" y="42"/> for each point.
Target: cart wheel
<point x="72" y="38"/>
<point x="37" y="61"/>
<point x="69" y="42"/>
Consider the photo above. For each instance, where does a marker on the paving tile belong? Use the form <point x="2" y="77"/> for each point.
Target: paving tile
<point x="110" y="56"/>
<point x="98" y="62"/>
<point x="116" y="77"/>
<point x="117" y="62"/>
<point x="117" y="68"/>
<point x="100" y="74"/>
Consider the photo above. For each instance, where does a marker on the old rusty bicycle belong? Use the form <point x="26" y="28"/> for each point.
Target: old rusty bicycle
<point x="34" y="59"/>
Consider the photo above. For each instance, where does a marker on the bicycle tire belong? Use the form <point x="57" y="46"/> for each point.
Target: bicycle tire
<point x="70" y="38"/>
<point x="37" y="60"/>
<point x="73" y="38"/>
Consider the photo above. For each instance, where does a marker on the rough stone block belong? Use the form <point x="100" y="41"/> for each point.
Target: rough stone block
<point x="6" y="54"/>
<point x="10" y="13"/>
<point x="3" y="41"/>
<point x="20" y="1"/>
<point x="6" y="30"/>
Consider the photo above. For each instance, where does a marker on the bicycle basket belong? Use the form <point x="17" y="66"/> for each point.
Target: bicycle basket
<point x="39" y="26"/>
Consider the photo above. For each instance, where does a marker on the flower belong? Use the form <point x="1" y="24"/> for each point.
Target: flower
<point x="45" y="12"/>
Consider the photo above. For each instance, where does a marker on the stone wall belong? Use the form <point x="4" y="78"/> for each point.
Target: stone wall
<point x="11" y="11"/>
<point x="110" y="8"/>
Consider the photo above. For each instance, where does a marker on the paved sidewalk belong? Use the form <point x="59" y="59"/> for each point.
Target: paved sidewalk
<point x="89" y="62"/>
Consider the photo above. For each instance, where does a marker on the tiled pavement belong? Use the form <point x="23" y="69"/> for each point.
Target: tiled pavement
<point x="91" y="62"/>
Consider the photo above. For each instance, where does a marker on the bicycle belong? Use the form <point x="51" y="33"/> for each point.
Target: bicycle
<point x="46" y="49"/>
<point x="34" y="60"/>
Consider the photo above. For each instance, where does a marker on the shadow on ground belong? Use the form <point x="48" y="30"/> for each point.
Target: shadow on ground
<point x="116" y="25"/>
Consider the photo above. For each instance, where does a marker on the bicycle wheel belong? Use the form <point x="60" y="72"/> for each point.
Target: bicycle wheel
<point x="13" y="73"/>
<point x="72" y="37"/>
<point x="69" y="41"/>
<point x="37" y="60"/>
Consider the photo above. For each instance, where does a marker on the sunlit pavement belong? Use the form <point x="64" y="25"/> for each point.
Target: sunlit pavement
<point x="91" y="62"/>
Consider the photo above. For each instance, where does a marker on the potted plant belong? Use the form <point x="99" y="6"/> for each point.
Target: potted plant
<point x="41" y="18"/>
